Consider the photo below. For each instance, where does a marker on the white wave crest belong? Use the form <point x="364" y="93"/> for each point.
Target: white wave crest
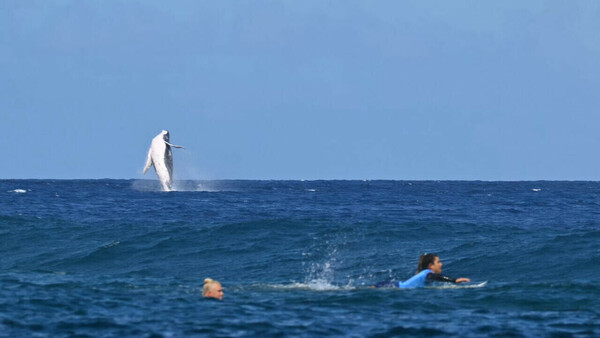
<point x="316" y="285"/>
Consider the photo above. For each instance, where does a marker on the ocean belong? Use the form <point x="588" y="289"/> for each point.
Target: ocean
<point x="296" y="258"/>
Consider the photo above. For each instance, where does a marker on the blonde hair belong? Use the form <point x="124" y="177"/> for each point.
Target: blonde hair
<point x="207" y="285"/>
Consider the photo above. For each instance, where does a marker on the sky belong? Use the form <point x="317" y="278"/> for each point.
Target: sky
<point x="404" y="90"/>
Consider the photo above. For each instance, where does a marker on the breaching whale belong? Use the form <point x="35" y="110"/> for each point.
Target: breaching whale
<point x="161" y="158"/>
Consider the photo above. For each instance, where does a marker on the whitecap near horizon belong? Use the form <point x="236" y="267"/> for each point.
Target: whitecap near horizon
<point x="18" y="191"/>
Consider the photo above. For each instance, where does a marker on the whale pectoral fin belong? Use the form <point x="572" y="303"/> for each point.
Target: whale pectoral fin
<point x="147" y="167"/>
<point x="148" y="163"/>
<point x="174" y="146"/>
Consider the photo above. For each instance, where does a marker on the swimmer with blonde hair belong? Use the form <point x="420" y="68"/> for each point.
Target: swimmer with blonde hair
<point x="212" y="289"/>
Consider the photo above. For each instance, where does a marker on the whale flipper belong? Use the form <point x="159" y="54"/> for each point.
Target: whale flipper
<point x="174" y="146"/>
<point x="148" y="161"/>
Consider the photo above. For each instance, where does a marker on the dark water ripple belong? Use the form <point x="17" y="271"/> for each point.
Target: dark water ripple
<point x="120" y="258"/>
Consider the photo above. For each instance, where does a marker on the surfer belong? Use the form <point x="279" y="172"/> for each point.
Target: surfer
<point x="212" y="289"/>
<point x="429" y="270"/>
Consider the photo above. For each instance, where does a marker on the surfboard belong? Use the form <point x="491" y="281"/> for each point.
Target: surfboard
<point x="460" y="286"/>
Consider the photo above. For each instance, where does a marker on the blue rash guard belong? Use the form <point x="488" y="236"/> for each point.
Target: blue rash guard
<point x="419" y="280"/>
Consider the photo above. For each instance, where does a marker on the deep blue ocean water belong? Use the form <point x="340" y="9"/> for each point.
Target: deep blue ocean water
<point x="121" y="258"/>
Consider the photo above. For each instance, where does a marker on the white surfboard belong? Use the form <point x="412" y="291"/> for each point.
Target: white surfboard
<point x="460" y="286"/>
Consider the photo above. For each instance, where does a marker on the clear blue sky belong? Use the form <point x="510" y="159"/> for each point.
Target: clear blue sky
<point x="472" y="90"/>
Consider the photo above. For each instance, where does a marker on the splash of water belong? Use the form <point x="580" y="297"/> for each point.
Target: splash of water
<point x="320" y="275"/>
<point x="178" y="186"/>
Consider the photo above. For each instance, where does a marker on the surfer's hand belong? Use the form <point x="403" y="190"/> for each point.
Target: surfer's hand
<point x="462" y="280"/>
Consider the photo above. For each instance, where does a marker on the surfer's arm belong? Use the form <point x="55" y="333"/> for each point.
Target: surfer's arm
<point x="436" y="277"/>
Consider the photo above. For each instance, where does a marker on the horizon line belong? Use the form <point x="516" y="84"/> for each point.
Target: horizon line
<point x="305" y="180"/>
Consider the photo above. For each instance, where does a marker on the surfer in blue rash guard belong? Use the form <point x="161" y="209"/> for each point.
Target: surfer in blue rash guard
<point x="429" y="270"/>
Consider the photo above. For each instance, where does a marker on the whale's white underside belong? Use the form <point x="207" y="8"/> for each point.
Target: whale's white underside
<point x="161" y="157"/>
